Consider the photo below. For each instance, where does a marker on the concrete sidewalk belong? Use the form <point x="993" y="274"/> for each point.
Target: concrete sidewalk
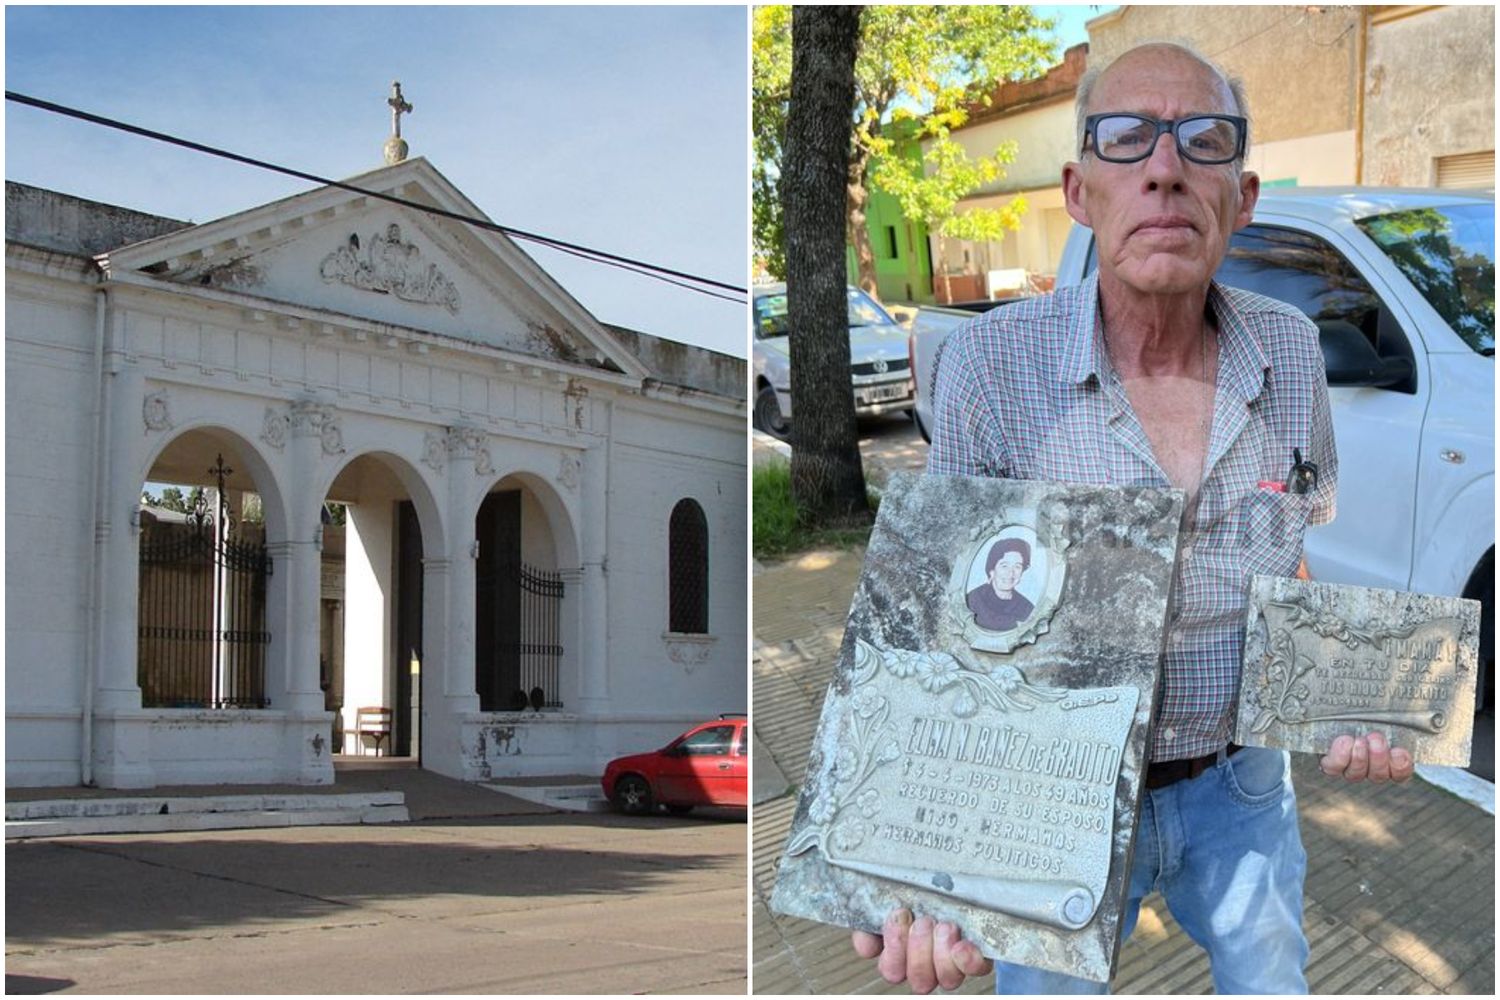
<point x="1400" y="893"/>
<point x="481" y="893"/>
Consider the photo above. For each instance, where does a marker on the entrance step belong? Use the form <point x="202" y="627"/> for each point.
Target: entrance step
<point x="569" y="797"/>
<point x="147" y="814"/>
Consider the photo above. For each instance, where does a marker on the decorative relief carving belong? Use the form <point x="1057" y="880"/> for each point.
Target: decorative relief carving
<point x="435" y="451"/>
<point x="1373" y="670"/>
<point x="157" y="411"/>
<point x="569" y="467"/>
<point x="689" y="653"/>
<point x="576" y="396"/>
<point x="275" y="428"/>
<point x="310" y="419"/>
<point x="470" y="442"/>
<point x="333" y="435"/>
<point x="390" y="266"/>
<point x="895" y="739"/>
<point x="548" y="342"/>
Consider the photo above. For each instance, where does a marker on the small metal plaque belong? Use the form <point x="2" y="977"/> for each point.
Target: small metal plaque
<point x="1324" y="660"/>
<point x="981" y="747"/>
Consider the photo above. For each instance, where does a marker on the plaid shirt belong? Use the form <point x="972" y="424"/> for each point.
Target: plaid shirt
<point x="1028" y="392"/>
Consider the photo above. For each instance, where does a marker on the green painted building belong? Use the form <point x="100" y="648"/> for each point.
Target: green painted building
<point x="903" y="259"/>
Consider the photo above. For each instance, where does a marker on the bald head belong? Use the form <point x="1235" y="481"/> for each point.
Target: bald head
<point x="1161" y="59"/>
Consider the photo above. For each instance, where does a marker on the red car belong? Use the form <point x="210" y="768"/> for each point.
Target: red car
<point x="706" y="766"/>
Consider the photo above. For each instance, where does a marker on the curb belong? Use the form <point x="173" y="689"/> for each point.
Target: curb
<point x="76" y="817"/>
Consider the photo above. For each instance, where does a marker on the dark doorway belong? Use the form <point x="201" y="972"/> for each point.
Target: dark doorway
<point x="407" y="658"/>
<point x="497" y="609"/>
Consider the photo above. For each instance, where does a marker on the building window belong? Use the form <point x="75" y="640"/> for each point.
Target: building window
<point x="688" y="569"/>
<point x="895" y="248"/>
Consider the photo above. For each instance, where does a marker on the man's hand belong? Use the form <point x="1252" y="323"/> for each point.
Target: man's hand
<point x="1367" y="758"/>
<point x="922" y="953"/>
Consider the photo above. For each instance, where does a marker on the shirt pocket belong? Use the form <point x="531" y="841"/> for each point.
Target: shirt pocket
<point x="1272" y="526"/>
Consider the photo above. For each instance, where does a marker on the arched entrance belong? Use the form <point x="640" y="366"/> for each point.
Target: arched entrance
<point x="522" y="621"/>
<point x="376" y="521"/>
<point x="203" y="636"/>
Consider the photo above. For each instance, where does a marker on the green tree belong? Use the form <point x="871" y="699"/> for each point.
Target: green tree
<point x="931" y="195"/>
<point x="926" y="62"/>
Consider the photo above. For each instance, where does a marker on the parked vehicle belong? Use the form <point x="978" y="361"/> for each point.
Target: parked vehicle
<point x="929" y="329"/>
<point x="706" y="766"/>
<point x="879" y="367"/>
<point x="1401" y="286"/>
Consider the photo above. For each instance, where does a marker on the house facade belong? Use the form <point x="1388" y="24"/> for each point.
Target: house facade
<point x="544" y="531"/>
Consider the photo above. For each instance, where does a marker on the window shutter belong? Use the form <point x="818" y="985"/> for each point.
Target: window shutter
<point x="1467" y="170"/>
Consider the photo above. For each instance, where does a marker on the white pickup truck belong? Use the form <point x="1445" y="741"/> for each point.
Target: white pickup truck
<point x="1402" y="286"/>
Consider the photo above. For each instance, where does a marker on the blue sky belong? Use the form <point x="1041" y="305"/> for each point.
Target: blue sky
<point x="623" y="129"/>
<point x="1071" y="18"/>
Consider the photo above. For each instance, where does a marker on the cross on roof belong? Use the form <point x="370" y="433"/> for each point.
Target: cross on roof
<point x="399" y="106"/>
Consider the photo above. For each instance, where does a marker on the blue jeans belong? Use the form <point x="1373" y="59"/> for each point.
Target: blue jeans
<point x="1225" y="852"/>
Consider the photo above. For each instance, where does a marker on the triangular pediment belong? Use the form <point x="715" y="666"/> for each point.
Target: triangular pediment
<point x="341" y="252"/>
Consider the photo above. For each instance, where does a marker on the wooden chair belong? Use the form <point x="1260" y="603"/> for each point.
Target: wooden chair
<point x="374" y="722"/>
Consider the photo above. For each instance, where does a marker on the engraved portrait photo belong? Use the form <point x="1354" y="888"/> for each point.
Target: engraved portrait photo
<point x="1006" y="579"/>
<point x="1006" y="584"/>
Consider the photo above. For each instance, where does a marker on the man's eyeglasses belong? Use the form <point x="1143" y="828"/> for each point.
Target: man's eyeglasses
<point x="1120" y="138"/>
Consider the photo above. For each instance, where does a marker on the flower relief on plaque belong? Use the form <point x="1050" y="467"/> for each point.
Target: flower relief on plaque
<point x="1325" y="659"/>
<point x="981" y="745"/>
<point x="975" y="738"/>
<point x="971" y="724"/>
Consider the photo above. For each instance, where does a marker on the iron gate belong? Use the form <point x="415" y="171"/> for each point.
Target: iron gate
<point x="539" y="642"/>
<point x="202" y="639"/>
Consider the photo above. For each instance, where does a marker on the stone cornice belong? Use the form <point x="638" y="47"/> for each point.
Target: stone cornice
<point x="379" y="337"/>
<point x="50" y="263"/>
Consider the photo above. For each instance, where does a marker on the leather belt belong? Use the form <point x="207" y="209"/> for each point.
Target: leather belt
<point x="1161" y="773"/>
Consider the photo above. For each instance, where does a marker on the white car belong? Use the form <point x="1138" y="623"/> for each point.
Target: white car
<point x="1402" y="286"/>
<point x="880" y="371"/>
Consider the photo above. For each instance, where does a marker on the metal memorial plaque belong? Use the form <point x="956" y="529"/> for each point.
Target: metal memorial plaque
<point x="1323" y="660"/>
<point x="982" y="744"/>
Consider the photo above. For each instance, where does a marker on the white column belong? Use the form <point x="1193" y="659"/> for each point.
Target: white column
<point x="118" y="543"/>
<point x="301" y="561"/>
<point x="458" y="677"/>
<point x="299" y="557"/>
<point x="593" y="632"/>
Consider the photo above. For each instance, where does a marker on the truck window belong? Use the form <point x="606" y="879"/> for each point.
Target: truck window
<point x="1305" y="271"/>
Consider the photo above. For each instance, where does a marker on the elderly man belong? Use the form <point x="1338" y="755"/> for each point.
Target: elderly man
<point x="1150" y="374"/>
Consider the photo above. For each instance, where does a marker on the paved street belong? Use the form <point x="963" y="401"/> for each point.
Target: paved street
<point x="477" y="903"/>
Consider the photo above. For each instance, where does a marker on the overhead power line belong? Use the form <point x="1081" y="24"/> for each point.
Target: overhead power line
<point x="682" y="279"/>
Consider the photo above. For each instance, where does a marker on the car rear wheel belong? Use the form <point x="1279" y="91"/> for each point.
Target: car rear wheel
<point x="633" y="795"/>
<point x="768" y="415"/>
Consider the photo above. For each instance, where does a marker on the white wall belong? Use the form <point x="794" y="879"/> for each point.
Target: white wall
<point x="368" y="586"/>
<point x="49" y="394"/>
<point x="657" y="462"/>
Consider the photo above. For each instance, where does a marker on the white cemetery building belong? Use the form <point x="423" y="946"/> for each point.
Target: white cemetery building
<point x="541" y="560"/>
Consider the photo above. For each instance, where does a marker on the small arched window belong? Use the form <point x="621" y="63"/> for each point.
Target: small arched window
<point x="687" y="567"/>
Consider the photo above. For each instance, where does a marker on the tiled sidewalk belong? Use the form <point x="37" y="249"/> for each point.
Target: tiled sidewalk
<point x="1400" y="885"/>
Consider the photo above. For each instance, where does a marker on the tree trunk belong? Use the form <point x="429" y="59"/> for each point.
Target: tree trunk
<point x="942" y="264"/>
<point x="828" y="483"/>
<point x="859" y="223"/>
